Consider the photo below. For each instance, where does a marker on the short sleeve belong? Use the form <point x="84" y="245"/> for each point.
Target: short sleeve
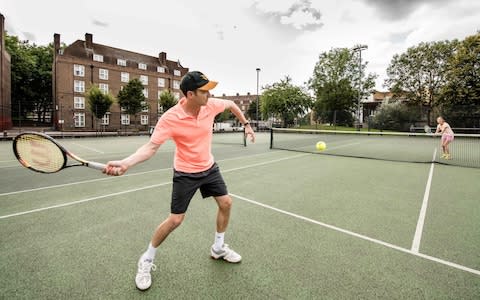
<point x="161" y="133"/>
<point x="218" y="105"/>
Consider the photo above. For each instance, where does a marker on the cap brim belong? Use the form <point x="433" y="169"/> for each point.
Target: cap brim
<point x="210" y="85"/>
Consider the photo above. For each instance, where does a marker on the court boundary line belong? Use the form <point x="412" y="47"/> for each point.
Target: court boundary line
<point x="417" y="238"/>
<point x="135" y="190"/>
<point x="112" y="178"/>
<point x="361" y="236"/>
<point x="81" y="201"/>
<point x="88" y="148"/>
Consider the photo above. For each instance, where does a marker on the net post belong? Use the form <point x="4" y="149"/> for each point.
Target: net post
<point x="271" y="137"/>
<point x="244" y="137"/>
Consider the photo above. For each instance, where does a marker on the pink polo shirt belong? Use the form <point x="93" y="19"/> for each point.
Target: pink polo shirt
<point x="192" y="135"/>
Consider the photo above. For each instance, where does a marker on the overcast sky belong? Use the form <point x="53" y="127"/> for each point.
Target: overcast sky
<point x="228" y="40"/>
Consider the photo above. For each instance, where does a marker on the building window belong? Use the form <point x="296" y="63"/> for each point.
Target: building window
<point x="103" y="87"/>
<point x="144" y="79"/>
<point x="177" y="73"/>
<point x="142" y="66"/>
<point x="79" y="119"/>
<point x="79" y="86"/>
<point x="160" y="69"/>
<point x="161" y="82"/>
<point x="145" y="92"/>
<point x="176" y="84"/>
<point x="106" y="119"/>
<point x="145" y="106"/>
<point x="79" y="102"/>
<point x="125" y="77"/>
<point x="176" y="95"/>
<point x="79" y="70"/>
<point x="144" y="119"/>
<point x="121" y="62"/>
<point x="125" y="119"/>
<point x="98" y="57"/>
<point x="103" y="74"/>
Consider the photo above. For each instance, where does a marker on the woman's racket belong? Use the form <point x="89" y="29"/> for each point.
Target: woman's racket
<point x="41" y="153"/>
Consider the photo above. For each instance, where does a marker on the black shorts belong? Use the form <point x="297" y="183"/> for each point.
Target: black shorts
<point x="210" y="183"/>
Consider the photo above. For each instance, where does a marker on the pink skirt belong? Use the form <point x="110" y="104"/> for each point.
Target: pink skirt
<point x="447" y="138"/>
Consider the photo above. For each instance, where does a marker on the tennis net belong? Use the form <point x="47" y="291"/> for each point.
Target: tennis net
<point x="390" y="146"/>
<point x="230" y="137"/>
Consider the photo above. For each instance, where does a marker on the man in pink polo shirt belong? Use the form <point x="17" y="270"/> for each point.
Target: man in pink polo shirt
<point x="189" y="124"/>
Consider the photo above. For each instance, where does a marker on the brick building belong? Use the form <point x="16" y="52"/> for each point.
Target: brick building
<point x="243" y="101"/>
<point x="83" y="63"/>
<point x="5" y="84"/>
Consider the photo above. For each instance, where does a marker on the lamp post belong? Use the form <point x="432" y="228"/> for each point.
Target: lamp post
<point x="258" y="97"/>
<point x="359" y="49"/>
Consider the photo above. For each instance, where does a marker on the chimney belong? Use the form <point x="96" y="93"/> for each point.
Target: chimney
<point x="56" y="42"/>
<point x="88" y="41"/>
<point x="2" y="31"/>
<point x="163" y="58"/>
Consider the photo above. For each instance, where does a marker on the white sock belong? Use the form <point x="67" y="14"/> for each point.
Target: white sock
<point x="150" y="253"/>
<point x="219" y="238"/>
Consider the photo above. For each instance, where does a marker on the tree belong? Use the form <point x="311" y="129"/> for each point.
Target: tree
<point x="335" y="83"/>
<point x="252" y="110"/>
<point x="336" y="103"/>
<point x="224" y="116"/>
<point x="420" y="72"/>
<point x="131" y="98"/>
<point x="31" y="78"/>
<point x="459" y="100"/>
<point x="284" y="100"/>
<point x="166" y="100"/>
<point x="98" y="102"/>
<point x="395" y="115"/>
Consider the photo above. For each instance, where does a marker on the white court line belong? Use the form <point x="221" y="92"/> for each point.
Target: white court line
<point x="361" y="236"/>
<point x="126" y="175"/>
<point x="423" y="211"/>
<point x="134" y="190"/>
<point x="82" y="201"/>
<point x="88" y="148"/>
<point x="80" y="182"/>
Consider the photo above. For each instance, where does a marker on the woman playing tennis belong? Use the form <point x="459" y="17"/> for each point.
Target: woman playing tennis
<point x="447" y="136"/>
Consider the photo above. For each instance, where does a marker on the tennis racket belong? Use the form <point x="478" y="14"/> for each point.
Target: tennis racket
<point x="41" y="153"/>
<point x="427" y="129"/>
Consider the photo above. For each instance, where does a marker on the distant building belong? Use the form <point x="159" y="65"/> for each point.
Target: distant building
<point x="83" y="63"/>
<point x="373" y="101"/>
<point x="243" y="101"/>
<point x="5" y="85"/>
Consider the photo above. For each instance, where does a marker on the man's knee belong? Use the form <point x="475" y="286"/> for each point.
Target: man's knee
<point x="175" y="220"/>
<point x="224" y="202"/>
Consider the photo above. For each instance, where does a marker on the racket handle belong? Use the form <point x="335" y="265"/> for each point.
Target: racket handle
<point x="96" y="166"/>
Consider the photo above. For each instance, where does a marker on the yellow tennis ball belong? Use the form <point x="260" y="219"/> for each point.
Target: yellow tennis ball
<point x="321" y="146"/>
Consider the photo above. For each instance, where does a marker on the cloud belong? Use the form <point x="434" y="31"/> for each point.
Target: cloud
<point x="29" y="36"/>
<point x="399" y="9"/>
<point x="399" y="37"/>
<point x="99" y="23"/>
<point x="299" y="16"/>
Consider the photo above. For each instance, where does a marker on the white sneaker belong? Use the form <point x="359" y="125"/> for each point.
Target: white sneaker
<point x="143" y="280"/>
<point x="226" y="253"/>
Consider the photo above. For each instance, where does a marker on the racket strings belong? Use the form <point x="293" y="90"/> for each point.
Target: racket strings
<point x="39" y="153"/>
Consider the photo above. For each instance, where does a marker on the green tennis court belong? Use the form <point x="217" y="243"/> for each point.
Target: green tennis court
<point x="307" y="226"/>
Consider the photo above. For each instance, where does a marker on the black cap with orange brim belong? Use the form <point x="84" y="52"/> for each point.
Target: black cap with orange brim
<point x="196" y="80"/>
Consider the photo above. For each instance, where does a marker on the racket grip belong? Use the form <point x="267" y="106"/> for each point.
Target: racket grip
<point x="96" y="165"/>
